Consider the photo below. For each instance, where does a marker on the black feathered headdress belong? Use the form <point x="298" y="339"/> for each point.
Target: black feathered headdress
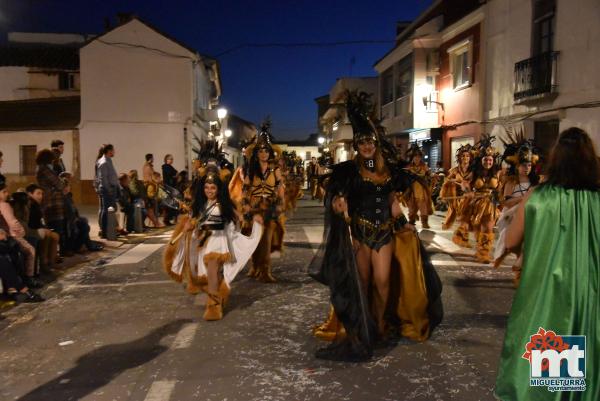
<point x="518" y="149"/>
<point x="263" y="140"/>
<point x="213" y="160"/>
<point x="365" y="125"/>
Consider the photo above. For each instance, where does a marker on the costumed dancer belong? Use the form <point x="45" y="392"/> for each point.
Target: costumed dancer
<point x="480" y="211"/>
<point x="455" y="185"/>
<point x="263" y="194"/>
<point x="289" y="165"/>
<point x="379" y="274"/>
<point x="418" y="198"/>
<point x="521" y="155"/>
<point x="558" y="225"/>
<point x="206" y="249"/>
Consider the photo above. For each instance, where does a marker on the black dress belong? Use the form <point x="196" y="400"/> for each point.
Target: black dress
<point x="371" y="223"/>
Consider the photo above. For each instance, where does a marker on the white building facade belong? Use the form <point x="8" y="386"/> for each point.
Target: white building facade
<point x="144" y="93"/>
<point x="542" y="58"/>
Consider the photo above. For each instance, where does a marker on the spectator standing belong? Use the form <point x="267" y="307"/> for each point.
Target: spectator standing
<point x="126" y="202"/>
<point x="559" y="226"/>
<point x="53" y="204"/>
<point x="169" y="178"/>
<point x="151" y="190"/>
<point x="58" y="147"/>
<point x="106" y="184"/>
<point x="169" y="173"/>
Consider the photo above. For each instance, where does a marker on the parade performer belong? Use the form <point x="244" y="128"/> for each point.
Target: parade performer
<point x="455" y="185"/>
<point x="558" y="225"/>
<point x="293" y="183"/>
<point x="379" y="274"/>
<point x="522" y="157"/>
<point x="480" y="211"/>
<point x="418" y="198"/>
<point x="206" y="249"/>
<point x="263" y="194"/>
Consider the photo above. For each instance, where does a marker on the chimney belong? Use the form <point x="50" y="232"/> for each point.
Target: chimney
<point x="123" y="18"/>
<point x="401" y="26"/>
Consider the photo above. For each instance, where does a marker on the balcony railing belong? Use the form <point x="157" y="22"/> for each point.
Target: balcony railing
<point x="536" y="76"/>
<point x="400" y="107"/>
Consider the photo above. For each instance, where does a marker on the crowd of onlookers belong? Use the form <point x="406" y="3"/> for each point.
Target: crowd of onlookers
<point x="123" y="193"/>
<point x="40" y="224"/>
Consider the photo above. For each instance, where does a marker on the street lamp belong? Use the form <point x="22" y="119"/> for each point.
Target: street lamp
<point x="321" y="140"/>
<point x="221" y="113"/>
<point x="228" y="133"/>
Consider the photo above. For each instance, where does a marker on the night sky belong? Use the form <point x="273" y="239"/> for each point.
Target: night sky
<point x="281" y="82"/>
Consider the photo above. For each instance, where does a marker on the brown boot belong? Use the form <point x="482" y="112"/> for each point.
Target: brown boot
<point x="485" y="242"/>
<point x="332" y="329"/>
<point x="224" y="292"/>
<point x="214" y="307"/>
<point x="323" y="331"/>
<point x="425" y="222"/>
<point x="461" y="237"/>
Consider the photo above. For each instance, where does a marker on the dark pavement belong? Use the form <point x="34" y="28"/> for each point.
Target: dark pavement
<point x="123" y="331"/>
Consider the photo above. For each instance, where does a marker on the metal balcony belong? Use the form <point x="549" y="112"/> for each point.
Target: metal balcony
<point x="536" y="77"/>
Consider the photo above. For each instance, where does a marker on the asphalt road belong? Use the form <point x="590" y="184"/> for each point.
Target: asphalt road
<point x="118" y="329"/>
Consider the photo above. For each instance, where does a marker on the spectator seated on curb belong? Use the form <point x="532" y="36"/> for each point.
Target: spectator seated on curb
<point x="10" y="266"/>
<point x="10" y="224"/>
<point x="48" y="252"/>
<point x="20" y="204"/>
<point x="78" y="228"/>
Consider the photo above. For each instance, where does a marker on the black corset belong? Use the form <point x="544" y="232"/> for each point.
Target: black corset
<point x="373" y="201"/>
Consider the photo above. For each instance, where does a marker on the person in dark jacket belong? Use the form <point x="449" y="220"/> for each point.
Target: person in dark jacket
<point x="49" y="239"/>
<point x="126" y="202"/>
<point x="10" y="265"/>
<point x="53" y="204"/>
<point x="58" y="147"/>
<point x="78" y="228"/>
<point x="169" y="177"/>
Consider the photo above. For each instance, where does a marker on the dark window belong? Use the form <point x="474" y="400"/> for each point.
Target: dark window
<point x="387" y="87"/>
<point x="404" y="79"/>
<point x="543" y="26"/>
<point x="545" y="134"/>
<point x="28" y="165"/>
<point x="66" y="81"/>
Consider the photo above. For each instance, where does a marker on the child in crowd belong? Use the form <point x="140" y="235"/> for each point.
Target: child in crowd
<point x="10" y="224"/>
<point x="10" y="264"/>
<point x="48" y="249"/>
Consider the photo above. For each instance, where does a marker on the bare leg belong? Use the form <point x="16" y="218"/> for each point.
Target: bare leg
<point x="212" y="274"/>
<point x="363" y="262"/>
<point x="382" y="261"/>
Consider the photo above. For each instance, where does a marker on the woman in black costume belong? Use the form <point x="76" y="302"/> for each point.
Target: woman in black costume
<point x="378" y="272"/>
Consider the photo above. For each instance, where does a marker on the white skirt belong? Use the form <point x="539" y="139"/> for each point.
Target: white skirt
<point x="228" y="246"/>
<point x="504" y="221"/>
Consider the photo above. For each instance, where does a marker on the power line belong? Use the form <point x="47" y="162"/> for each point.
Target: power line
<point x="304" y="44"/>
<point x="126" y="45"/>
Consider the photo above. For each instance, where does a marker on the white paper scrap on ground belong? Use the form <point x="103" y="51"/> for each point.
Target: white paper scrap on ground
<point x="68" y="342"/>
